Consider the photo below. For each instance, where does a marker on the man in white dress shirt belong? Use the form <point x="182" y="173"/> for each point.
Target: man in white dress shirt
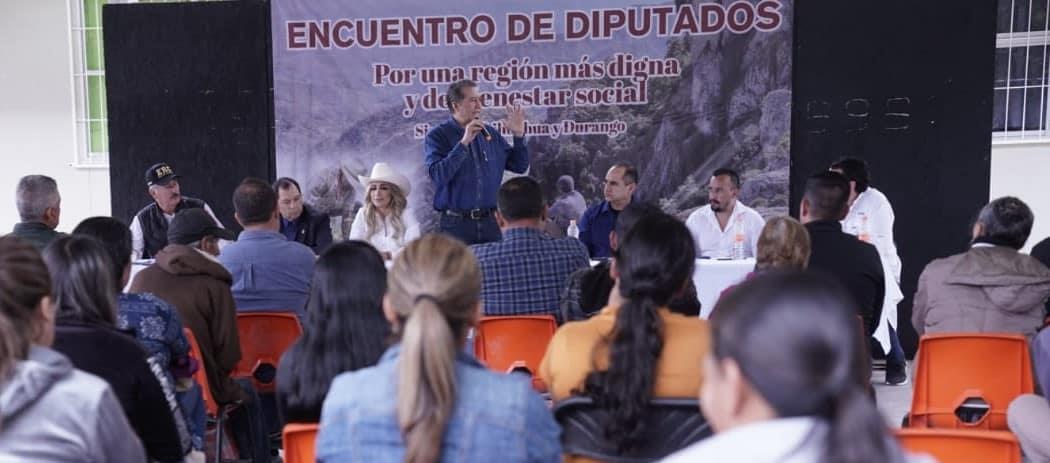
<point x="870" y="218"/>
<point x="716" y="226"/>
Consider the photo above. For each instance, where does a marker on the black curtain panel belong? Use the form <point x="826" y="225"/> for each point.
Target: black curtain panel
<point x="189" y="84"/>
<point x="907" y="86"/>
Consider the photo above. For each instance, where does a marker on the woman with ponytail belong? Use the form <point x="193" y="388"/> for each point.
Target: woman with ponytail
<point x="635" y="349"/>
<point x="780" y="380"/>
<point x="426" y="401"/>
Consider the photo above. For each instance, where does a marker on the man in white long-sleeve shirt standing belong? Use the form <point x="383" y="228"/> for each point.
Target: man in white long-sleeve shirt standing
<point x="871" y="219"/>
<point x="716" y="226"/>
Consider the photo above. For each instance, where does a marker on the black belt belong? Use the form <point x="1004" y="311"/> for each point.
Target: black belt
<point x="472" y="214"/>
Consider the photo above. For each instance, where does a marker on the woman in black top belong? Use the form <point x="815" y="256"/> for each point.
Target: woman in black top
<point x="345" y="329"/>
<point x="81" y="281"/>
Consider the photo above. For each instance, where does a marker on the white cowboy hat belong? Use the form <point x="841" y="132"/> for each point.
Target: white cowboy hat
<point x="382" y="172"/>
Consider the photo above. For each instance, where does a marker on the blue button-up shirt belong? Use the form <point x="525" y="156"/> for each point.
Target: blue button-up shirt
<point x="496" y="417"/>
<point x="526" y="273"/>
<point x="468" y="177"/>
<point x="270" y="273"/>
<point x="595" y="225"/>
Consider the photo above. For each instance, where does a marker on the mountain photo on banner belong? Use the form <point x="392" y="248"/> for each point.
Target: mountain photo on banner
<point x="723" y="100"/>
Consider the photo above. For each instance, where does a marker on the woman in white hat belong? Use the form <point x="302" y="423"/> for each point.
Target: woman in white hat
<point x="385" y="221"/>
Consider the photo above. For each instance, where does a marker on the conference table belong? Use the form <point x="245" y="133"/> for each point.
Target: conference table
<point x="712" y="276"/>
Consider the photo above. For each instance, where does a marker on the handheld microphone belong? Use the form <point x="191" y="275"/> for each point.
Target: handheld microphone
<point x="484" y="130"/>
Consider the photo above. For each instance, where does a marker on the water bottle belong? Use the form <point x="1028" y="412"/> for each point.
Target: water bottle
<point x="863" y="234"/>
<point x="573" y="230"/>
<point x="738" y="239"/>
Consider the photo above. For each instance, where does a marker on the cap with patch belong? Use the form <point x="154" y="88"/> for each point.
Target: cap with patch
<point x="192" y="225"/>
<point x="160" y="174"/>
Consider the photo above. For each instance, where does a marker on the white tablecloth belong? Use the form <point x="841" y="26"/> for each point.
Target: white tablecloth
<point x="712" y="276"/>
<point x="136" y="267"/>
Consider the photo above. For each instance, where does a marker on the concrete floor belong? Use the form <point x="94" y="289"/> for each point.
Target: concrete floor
<point x="893" y="401"/>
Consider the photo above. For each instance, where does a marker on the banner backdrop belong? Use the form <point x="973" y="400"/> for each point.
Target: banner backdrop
<point x="678" y="89"/>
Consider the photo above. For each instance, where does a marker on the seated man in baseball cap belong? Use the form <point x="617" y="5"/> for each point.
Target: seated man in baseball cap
<point x="149" y="227"/>
<point x="188" y="275"/>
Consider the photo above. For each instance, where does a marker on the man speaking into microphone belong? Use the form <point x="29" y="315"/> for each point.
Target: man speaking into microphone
<point x="465" y="159"/>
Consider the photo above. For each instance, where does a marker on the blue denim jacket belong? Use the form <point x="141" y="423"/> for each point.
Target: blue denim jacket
<point x="496" y="418"/>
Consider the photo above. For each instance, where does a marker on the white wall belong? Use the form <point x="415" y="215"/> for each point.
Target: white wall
<point x="1023" y="170"/>
<point x="37" y="112"/>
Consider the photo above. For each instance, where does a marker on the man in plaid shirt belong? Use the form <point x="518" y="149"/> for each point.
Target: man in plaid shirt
<point x="526" y="273"/>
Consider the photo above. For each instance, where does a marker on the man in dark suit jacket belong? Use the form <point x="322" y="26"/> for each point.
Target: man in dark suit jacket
<point x="300" y="222"/>
<point x="838" y="254"/>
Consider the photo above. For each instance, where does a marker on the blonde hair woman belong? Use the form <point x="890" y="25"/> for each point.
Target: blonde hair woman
<point x="426" y="401"/>
<point x="385" y="221"/>
<point x="782" y="244"/>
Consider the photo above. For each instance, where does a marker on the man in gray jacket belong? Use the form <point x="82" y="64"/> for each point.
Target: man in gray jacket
<point x="991" y="287"/>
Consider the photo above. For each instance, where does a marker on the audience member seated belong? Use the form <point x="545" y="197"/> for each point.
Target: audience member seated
<point x="526" y="272"/>
<point x="299" y="221"/>
<point x="716" y="225"/>
<point x="85" y="297"/>
<point x="991" y="287"/>
<point x="779" y="380"/>
<point x="1041" y="252"/>
<point x="344" y="331"/>
<point x="782" y="245"/>
<point x="149" y="227"/>
<point x="188" y="276"/>
<point x="1029" y="414"/>
<point x="837" y="254"/>
<point x="270" y="273"/>
<point x="635" y="349"/>
<point x="156" y="326"/>
<point x="588" y="288"/>
<point x="569" y="205"/>
<point x="426" y="400"/>
<point x="597" y="221"/>
<point x="39" y="208"/>
<point x="49" y="411"/>
<point x="385" y="220"/>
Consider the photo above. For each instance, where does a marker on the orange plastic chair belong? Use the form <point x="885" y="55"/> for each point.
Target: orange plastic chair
<point x="216" y="414"/>
<point x="954" y="367"/>
<point x="962" y="446"/>
<point x="512" y="343"/>
<point x="264" y="336"/>
<point x="299" y="441"/>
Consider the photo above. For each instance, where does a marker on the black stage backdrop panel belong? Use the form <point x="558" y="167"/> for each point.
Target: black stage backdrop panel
<point x="907" y="86"/>
<point x="188" y="84"/>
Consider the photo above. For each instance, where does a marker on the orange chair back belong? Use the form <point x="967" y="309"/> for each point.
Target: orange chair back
<point x="264" y="336"/>
<point x="299" y="441"/>
<point x="201" y="375"/>
<point x="962" y="446"/>
<point x="953" y="367"/>
<point x="505" y="343"/>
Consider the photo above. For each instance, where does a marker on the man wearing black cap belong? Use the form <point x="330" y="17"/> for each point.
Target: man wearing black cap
<point x="149" y="227"/>
<point x="188" y="276"/>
